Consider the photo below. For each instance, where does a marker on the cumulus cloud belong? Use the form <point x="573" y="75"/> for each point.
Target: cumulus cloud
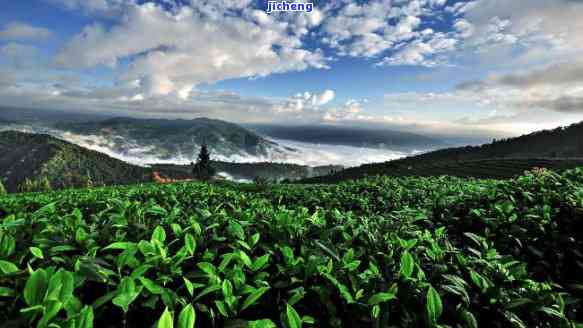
<point x="533" y="29"/>
<point x="349" y="110"/>
<point x="370" y="29"/>
<point x="422" y="52"/>
<point x="304" y="102"/>
<point x="173" y="52"/>
<point x="396" y="32"/>
<point x="22" y="31"/>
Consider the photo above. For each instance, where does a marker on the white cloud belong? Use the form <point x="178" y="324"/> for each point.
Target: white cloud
<point x="305" y="102"/>
<point x="105" y="8"/>
<point x="168" y="57"/>
<point x="533" y="29"/>
<point x="422" y="52"/>
<point x="363" y="30"/>
<point x="22" y="31"/>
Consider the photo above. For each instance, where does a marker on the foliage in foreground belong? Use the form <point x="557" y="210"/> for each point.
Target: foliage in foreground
<point x="383" y="252"/>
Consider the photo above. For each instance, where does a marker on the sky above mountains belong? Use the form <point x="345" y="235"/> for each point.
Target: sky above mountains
<point x="490" y="67"/>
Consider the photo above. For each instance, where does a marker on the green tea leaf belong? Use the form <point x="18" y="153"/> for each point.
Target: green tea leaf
<point x="35" y="287"/>
<point x="187" y="317"/>
<point x="293" y="319"/>
<point x="126" y="293"/>
<point x="159" y="234"/>
<point x="407" y="264"/>
<point x="245" y="259"/>
<point x="207" y="268"/>
<point x="151" y="286"/>
<point x="189" y="286"/>
<point x="469" y="319"/>
<point x="190" y="243"/>
<point x="381" y="298"/>
<point x="552" y="312"/>
<point x="260" y="263"/>
<point x="119" y="246"/>
<point x="85" y="319"/>
<point x="166" y="320"/>
<point x="7" y="267"/>
<point x="265" y="323"/>
<point x="434" y="305"/>
<point x="37" y="252"/>
<point x="253" y="297"/>
<point x="208" y="290"/>
<point x="222" y="308"/>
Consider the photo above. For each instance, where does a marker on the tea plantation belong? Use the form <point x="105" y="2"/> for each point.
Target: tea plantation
<point x="380" y="252"/>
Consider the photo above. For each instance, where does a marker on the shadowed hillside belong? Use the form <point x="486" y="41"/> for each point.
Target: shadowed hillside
<point x="561" y="148"/>
<point x="37" y="157"/>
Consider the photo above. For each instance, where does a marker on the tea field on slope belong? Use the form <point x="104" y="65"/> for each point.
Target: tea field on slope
<point x="378" y="252"/>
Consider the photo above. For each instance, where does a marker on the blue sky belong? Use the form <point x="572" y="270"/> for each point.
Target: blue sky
<point x="467" y="67"/>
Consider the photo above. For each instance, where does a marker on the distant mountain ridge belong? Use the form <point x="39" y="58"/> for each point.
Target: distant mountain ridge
<point x="168" y="139"/>
<point x="348" y="136"/>
<point x="560" y="148"/>
<point x="39" y="115"/>
<point x="42" y="157"/>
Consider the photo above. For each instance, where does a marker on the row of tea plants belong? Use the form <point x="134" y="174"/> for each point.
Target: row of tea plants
<point x="379" y="252"/>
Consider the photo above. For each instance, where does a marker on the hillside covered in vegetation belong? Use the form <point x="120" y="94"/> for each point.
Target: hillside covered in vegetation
<point x="41" y="161"/>
<point x="558" y="149"/>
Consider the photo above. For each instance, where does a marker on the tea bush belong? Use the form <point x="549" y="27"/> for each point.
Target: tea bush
<point x="379" y="252"/>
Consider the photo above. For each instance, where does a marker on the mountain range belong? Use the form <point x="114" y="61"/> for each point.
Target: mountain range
<point x="142" y="140"/>
<point x="168" y="139"/>
<point x="36" y="158"/>
<point x="349" y="136"/>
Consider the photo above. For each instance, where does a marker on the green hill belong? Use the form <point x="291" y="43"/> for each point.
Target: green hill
<point x="38" y="157"/>
<point x="558" y="149"/>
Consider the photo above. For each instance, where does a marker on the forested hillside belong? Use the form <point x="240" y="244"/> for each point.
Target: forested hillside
<point x="42" y="159"/>
<point x="558" y="149"/>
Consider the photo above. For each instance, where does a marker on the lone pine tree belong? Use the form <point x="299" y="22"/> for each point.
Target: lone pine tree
<point x="203" y="169"/>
